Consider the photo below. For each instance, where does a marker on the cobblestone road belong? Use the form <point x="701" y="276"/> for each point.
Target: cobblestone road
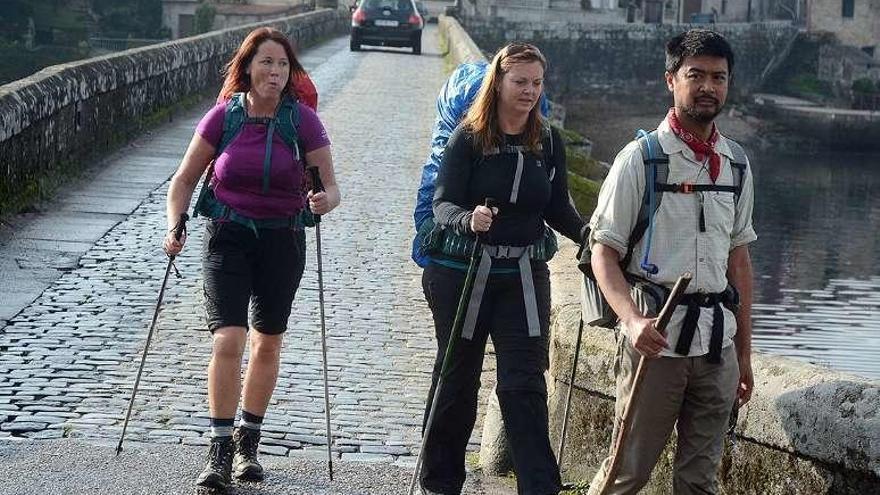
<point x="68" y="360"/>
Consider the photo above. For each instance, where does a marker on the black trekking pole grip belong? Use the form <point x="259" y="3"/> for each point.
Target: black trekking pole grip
<point x="180" y="228"/>
<point x="317" y="186"/>
<point x="481" y="236"/>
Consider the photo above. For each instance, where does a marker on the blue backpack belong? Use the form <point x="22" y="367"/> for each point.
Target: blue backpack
<point x="455" y="98"/>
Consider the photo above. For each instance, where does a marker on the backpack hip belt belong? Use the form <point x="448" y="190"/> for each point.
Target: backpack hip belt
<point x="214" y="209"/>
<point x="520" y="253"/>
<point x="433" y="239"/>
<point x="694" y="303"/>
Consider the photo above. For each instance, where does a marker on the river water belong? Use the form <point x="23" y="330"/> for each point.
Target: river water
<point x="817" y="257"/>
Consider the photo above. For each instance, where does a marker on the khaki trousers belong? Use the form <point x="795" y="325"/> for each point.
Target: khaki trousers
<point x="687" y="393"/>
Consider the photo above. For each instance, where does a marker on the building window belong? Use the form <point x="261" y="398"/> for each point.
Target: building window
<point x="185" y="25"/>
<point x="849" y="7"/>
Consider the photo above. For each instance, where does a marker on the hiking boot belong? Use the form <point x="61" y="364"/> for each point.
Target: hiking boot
<point x="216" y="475"/>
<point x="247" y="467"/>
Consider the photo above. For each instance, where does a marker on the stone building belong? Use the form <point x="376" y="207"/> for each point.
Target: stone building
<point x="545" y="11"/>
<point x="636" y="11"/>
<point x="854" y="22"/>
<point x="180" y="15"/>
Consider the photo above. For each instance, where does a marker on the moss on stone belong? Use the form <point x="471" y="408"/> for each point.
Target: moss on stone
<point x="585" y="193"/>
<point x="35" y="188"/>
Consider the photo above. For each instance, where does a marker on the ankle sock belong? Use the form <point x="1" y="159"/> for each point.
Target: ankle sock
<point x="221" y="427"/>
<point x="250" y="421"/>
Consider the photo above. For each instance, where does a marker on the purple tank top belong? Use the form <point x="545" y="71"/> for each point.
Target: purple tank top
<point x="238" y="171"/>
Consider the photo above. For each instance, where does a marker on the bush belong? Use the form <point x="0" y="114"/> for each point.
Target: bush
<point x="19" y="62"/>
<point x="865" y="85"/>
<point x="204" y="20"/>
<point x="808" y="84"/>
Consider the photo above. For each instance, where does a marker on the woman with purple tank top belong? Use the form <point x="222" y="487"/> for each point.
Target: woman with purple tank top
<point x="254" y="251"/>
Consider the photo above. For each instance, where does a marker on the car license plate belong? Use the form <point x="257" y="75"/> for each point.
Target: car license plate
<point x="386" y="23"/>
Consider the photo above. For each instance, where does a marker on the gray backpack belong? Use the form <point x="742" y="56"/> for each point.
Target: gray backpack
<point x="595" y="309"/>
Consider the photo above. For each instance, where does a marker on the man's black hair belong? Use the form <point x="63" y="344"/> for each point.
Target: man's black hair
<point x="696" y="43"/>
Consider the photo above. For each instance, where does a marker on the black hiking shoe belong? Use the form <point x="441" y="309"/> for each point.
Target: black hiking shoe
<point x="247" y="467"/>
<point x="215" y="477"/>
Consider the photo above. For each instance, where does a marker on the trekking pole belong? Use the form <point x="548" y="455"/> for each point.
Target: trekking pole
<point x="179" y="230"/>
<point x="450" y="347"/>
<point x="577" y="352"/>
<point x="317" y="186"/>
<point x="662" y="320"/>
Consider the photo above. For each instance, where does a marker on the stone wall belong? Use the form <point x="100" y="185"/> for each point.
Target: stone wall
<point x="861" y="30"/>
<point x="623" y="58"/>
<point x="544" y="11"/>
<point x="807" y="430"/>
<point x="841" y="65"/>
<point x="64" y="115"/>
<point x="460" y="46"/>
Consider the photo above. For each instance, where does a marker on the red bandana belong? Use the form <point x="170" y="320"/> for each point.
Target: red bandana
<point x="698" y="146"/>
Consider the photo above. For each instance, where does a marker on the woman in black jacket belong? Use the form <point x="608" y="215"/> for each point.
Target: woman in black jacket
<point x="502" y="150"/>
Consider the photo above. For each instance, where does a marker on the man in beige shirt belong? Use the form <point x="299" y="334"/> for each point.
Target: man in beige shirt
<point x="701" y="366"/>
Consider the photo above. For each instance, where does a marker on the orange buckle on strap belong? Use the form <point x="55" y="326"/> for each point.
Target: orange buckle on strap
<point x="686" y="187"/>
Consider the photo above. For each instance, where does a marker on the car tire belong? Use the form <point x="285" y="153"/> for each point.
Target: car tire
<point x="355" y="45"/>
<point x="417" y="46"/>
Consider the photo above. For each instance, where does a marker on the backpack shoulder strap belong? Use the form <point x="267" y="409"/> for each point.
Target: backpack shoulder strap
<point x="548" y="151"/>
<point x="288" y="124"/>
<point x="656" y="164"/>
<point x="739" y="163"/>
<point x="233" y="121"/>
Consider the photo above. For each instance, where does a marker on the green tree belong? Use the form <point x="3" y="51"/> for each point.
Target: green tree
<point x="204" y="20"/>
<point x="129" y="18"/>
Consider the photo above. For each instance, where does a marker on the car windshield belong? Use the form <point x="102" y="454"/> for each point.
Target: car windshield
<point x="403" y="6"/>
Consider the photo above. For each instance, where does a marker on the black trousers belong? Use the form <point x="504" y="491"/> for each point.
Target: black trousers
<point x="522" y="392"/>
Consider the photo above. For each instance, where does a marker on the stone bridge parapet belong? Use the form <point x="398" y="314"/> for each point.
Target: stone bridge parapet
<point x="65" y="115"/>
<point x="807" y="430"/>
<point x="627" y="59"/>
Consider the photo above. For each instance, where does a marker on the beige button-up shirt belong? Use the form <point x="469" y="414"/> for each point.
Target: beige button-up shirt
<point x="677" y="245"/>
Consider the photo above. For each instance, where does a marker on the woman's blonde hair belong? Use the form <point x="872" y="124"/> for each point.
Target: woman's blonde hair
<point x="482" y="118"/>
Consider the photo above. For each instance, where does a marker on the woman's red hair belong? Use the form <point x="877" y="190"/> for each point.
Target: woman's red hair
<point x="237" y="80"/>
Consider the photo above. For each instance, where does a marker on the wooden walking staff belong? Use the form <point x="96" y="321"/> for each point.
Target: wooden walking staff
<point x="662" y="320"/>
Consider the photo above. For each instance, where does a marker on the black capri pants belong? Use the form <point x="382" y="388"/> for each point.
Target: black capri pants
<point x="241" y="269"/>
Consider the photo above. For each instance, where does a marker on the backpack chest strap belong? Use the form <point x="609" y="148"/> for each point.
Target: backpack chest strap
<point x="690" y="188"/>
<point x="267" y="159"/>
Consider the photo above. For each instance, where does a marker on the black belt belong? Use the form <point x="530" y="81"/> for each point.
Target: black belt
<point x="694" y="302"/>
